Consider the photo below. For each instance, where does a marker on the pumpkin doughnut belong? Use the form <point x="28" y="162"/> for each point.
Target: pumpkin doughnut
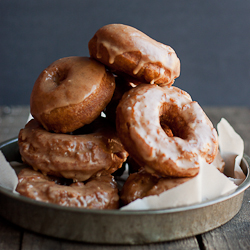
<point x="70" y="93"/>
<point x="129" y="51"/>
<point x="76" y="157"/>
<point x="98" y="193"/>
<point x="142" y="184"/>
<point x="140" y="118"/>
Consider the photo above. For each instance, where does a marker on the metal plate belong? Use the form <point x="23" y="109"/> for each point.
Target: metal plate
<point x="115" y="226"/>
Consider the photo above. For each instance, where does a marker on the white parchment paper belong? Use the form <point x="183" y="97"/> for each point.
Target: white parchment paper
<point x="8" y="177"/>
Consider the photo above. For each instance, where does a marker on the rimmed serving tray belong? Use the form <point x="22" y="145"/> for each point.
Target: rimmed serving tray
<point x="116" y="226"/>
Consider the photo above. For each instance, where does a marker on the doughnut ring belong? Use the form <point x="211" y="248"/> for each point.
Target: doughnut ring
<point x="129" y="51"/>
<point x="70" y="93"/>
<point x="141" y="115"/>
<point x="76" y="157"/>
<point x="98" y="193"/>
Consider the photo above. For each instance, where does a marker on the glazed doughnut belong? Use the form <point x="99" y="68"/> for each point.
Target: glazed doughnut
<point x="70" y="93"/>
<point x="142" y="184"/>
<point x="76" y="157"/>
<point x="127" y="50"/>
<point x="98" y="193"/>
<point x="140" y="118"/>
<point x="133" y="166"/>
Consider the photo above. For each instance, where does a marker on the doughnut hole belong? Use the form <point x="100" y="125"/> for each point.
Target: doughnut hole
<point x="59" y="76"/>
<point x="172" y="123"/>
<point x="54" y="77"/>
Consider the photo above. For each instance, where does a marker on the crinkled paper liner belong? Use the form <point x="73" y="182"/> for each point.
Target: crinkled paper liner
<point x="209" y="184"/>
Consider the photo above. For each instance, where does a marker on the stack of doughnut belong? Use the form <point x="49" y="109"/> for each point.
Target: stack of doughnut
<point x="67" y="139"/>
<point x="74" y="152"/>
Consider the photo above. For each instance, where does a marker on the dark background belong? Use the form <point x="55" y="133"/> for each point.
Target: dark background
<point x="211" y="38"/>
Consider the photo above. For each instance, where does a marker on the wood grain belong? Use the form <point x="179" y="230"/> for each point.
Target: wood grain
<point x="12" y="119"/>
<point x="33" y="241"/>
<point x="10" y="235"/>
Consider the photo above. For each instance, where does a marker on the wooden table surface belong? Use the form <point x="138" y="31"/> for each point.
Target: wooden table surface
<point x="233" y="235"/>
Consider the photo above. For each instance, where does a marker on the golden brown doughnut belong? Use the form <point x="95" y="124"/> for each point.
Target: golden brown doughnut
<point x="97" y="193"/>
<point x="76" y="157"/>
<point x="125" y="49"/>
<point x="142" y="184"/>
<point x="70" y="93"/>
<point x="140" y="116"/>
